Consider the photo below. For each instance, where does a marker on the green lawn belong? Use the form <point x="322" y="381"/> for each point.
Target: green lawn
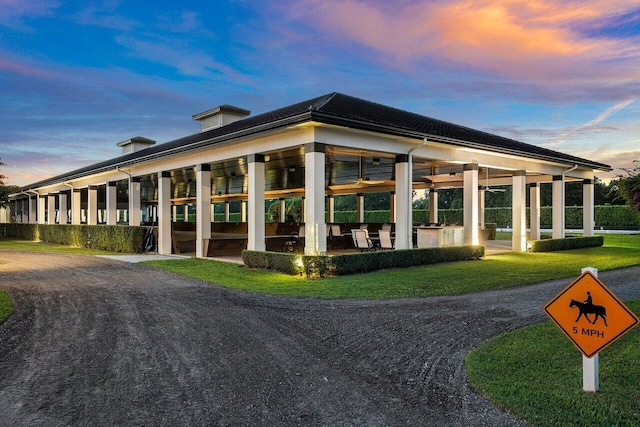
<point x="496" y="271"/>
<point x="536" y="374"/>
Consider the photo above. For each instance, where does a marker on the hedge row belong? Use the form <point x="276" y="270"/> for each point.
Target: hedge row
<point x="605" y="216"/>
<point x="315" y="266"/>
<point x="112" y="238"/>
<point x="550" y="245"/>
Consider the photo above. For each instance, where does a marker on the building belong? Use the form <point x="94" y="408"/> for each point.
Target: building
<point x="316" y="149"/>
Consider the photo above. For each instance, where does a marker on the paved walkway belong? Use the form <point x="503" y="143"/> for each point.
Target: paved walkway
<point x="95" y="341"/>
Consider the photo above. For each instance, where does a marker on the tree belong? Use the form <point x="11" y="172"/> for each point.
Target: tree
<point x="629" y="187"/>
<point x="5" y="190"/>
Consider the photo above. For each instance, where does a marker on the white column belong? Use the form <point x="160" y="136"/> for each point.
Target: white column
<point x="185" y="212"/>
<point x="51" y="209"/>
<point x="331" y="208"/>
<point x="588" y="202"/>
<point x="164" y="213"/>
<point x="481" y="204"/>
<point x="203" y="209"/>
<point x="17" y="209"/>
<point x="33" y="209"/>
<point x="392" y="206"/>
<point x="433" y="206"/>
<point x="227" y="211"/>
<point x="112" y="203"/>
<point x="360" y="207"/>
<point x="470" y="203"/>
<point x="255" y="188"/>
<point x="558" y="207"/>
<point x="282" y="210"/>
<point x="41" y="209"/>
<point x="174" y="213"/>
<point x="534" y="211"/>
<point x="76" y="194"/>
<point x="62" y="207"/>
<point x="519" y="211"/>
<point x="134" y="201"/>
<point x="404" y="212"/>
<point x="315" y="232"/>
<point x="92" y="205"/>
<point x="243" y="210"/>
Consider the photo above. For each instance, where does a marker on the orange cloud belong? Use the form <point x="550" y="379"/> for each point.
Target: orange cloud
<point x="539" y="39"/>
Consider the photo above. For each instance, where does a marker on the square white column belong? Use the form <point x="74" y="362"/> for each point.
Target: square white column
<point x="76" y="197"/>
<point x="51" y="209"/>
<point x="534" y="211"/>
<point x="134" y="201"/>
<point x="203" y="209"/>
<point x="227" y="211"/>
<point x="481" y="203"/>
<point x="557" y="206"/>
<point x="282" y="210"/>
<point x="519" y="211"/>
<point x="360" y="207"/>
<point x="331" y="208"/>
<point x="392" y="206"/>
<point x="433" y="206"/>
<point x="243" y="211"/>
<point x="588" y="202"/>
<point x="92" y="206"/>
<point x="112" y="203"/>
<point x="315" y="228"/>
<point x="42" y="200"/>
<point x="164" y="213"/>
<point x="62" y="208"/>
<point x="404" y="208"/>
<point x="255" y="188"/>
<point x="470" y="203"/>
<point x="33" y="209"/>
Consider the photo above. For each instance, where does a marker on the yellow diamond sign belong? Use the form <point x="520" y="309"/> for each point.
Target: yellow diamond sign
<point x="589" y="314"/>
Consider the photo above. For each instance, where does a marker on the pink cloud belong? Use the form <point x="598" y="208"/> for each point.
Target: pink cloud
<point x="538" y="40"/>
<point x="12" y="11"/>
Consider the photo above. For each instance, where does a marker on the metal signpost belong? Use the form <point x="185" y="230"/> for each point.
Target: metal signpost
<point x="592" y="317"/>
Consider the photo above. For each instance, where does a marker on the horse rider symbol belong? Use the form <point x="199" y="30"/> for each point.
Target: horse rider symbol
<point x="588" y="307"/>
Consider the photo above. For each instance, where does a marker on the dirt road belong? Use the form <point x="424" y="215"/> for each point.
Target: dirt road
<point x="94" y="341"/>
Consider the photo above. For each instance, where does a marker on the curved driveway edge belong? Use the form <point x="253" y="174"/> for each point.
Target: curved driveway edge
<point x="94" y="341"/>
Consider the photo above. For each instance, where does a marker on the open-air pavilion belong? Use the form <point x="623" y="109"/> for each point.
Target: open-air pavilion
<point x="316" y="149"/>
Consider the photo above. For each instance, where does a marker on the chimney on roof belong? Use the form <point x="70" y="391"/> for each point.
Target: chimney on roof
<point x="220" y="116"/>
<point x="134" y="144"/>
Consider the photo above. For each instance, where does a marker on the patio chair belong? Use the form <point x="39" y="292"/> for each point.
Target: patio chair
<point x="337" y="237"/>
<point x="385" y="239"/>
<point x="361" y="240"/>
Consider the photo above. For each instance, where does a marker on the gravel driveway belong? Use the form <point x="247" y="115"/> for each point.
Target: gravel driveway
<point x="94" y="341"/>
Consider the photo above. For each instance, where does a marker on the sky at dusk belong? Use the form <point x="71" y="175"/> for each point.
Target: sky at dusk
<point x="77" y="77"/>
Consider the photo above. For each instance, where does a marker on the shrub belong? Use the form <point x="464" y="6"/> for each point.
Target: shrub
<point x="313" y="266"/>
<point x="113" y="238"/>
<point x="550" y="245"/>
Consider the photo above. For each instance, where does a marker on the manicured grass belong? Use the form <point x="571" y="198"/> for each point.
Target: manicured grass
<point x="536" y="374"/>
<point x="12" y="244"/>
<point x="493" y="272"/>
<point x="5" y="306"/>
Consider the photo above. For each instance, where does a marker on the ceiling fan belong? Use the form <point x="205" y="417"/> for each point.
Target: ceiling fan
<point x="361" y="181"/>
<point x="488" y="188"/>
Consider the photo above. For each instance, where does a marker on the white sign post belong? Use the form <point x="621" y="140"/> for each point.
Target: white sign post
<point x="590" y="374"/>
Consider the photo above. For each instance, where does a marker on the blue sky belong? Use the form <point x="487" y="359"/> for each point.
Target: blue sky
<point x="77" y="77"/>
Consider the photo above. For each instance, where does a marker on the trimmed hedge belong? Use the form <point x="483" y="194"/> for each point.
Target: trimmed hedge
<point x="614" y="216"/>
<point x="112" y="238"/>
<point x="315" y="266"/>
<point x="551" y="245"/>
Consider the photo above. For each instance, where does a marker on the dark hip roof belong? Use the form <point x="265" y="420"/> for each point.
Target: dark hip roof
<point x="337" y="109"/>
